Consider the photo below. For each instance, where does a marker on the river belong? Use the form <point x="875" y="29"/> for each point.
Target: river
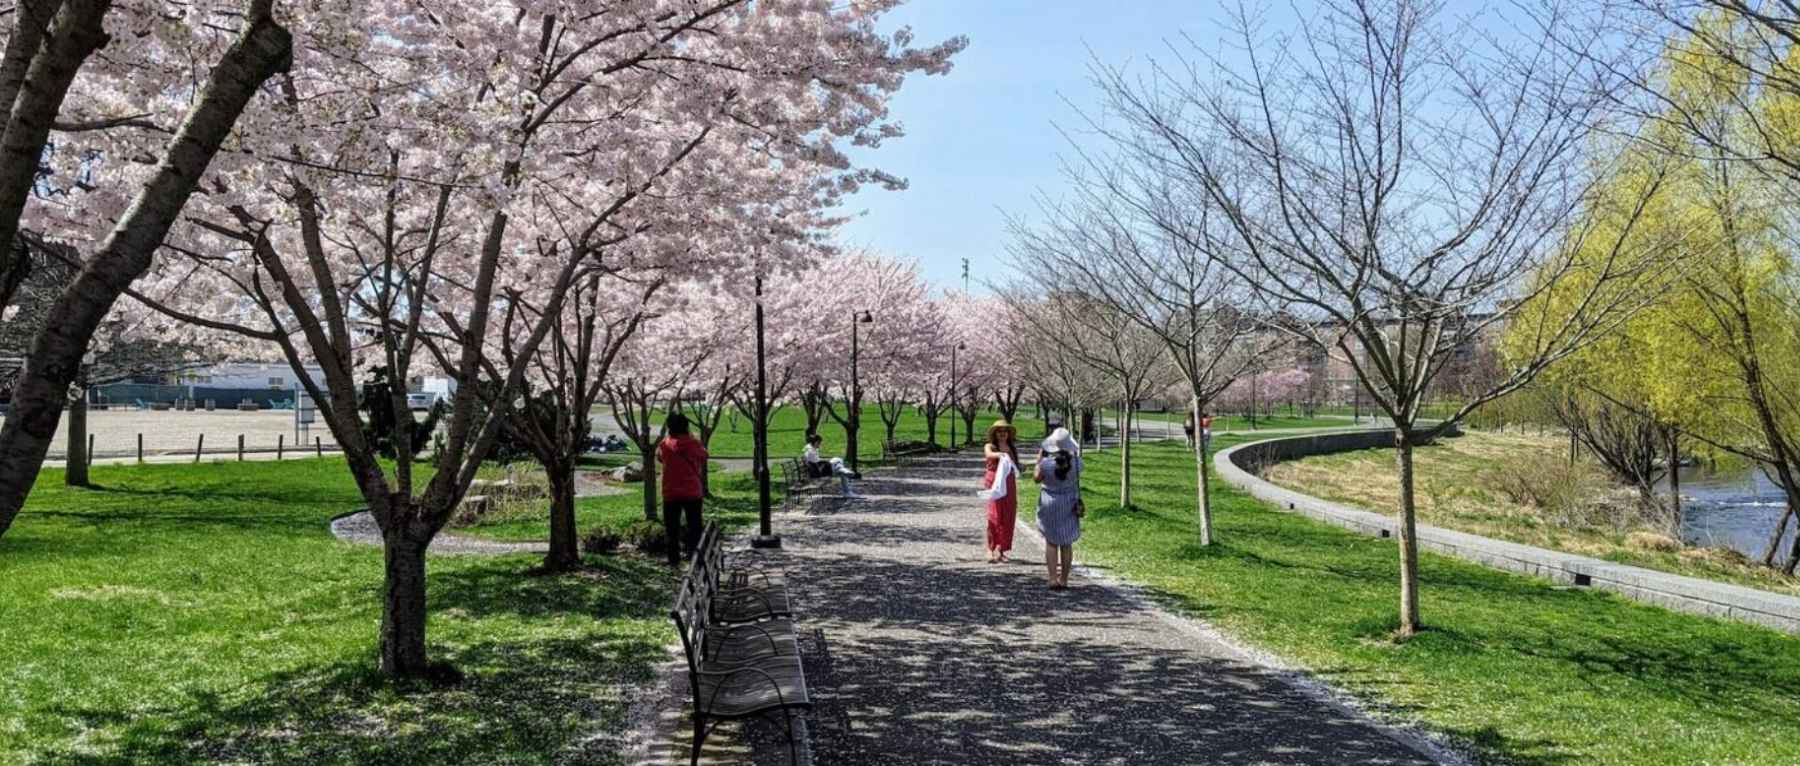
<point x="1733" y="508"/>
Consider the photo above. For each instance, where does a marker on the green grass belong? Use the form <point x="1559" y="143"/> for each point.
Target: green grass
<point x="1528" y="672"/>
<point x="182" y="614"/>
<point x="733" y="505"/>
<point x="787" y="432"/>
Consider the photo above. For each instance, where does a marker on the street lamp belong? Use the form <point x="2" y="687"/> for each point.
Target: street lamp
<point x="953" y="415"/>
<point x="857" y="318"/>
<point x="765" y="537"/>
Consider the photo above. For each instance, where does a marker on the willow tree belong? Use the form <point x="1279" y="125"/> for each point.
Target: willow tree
<point x="1719" y="355"/>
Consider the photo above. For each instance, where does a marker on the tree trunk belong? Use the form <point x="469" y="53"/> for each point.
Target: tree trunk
<point x="76" y="473"/>
<point x="42" y="387"/>
<point x="650" y="509"/>
<point x="931" y="422"/>
<point x="852" y="430"/>
<point x="565" y="546"/>
<point x="968" y="417"/>
<point x="1780" y="533"/>
<point x="1409" y="544"/>
<point x="1675" y="482"/>
<point x="403" y="604"/>
<point x="45" y="66"/>
<point x="1125" y="463"/>
<point x="1202" y="493"/>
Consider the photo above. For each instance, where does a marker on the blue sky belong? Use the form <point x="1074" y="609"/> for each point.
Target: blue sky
<point x="983" y="138"/>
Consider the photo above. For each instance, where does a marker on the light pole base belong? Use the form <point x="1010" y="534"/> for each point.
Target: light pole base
<point x="765" y="541"/>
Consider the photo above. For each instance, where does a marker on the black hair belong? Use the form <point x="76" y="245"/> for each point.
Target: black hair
<point x="677" y="424"/>
<point x="814" y="439"/>
<point x="1063" y="463"/>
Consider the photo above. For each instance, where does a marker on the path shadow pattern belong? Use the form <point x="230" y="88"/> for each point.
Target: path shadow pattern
<point x="933" y="656"/>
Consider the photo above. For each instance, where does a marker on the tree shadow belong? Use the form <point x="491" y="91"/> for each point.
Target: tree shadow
<point x="619" y="585"/>
<point x="522" y="702"/>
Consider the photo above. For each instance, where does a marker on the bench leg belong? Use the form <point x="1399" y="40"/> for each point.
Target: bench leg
<point x="793" y="747"/>
<point x="699" y="739"/>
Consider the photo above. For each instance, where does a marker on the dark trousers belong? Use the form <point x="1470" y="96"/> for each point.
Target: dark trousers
<point x="681" y="539"/>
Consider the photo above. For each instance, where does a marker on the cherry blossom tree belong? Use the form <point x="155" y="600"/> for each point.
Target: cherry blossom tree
<point x="1257" y="391"/>
<point x="124" y="155"/>
<point x="901" y="322"/>
<point x="441" y="163"/>
<point x="570" y="372"/>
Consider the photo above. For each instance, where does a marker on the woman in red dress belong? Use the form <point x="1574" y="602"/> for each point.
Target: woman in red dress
<point x="1003" y="510"/>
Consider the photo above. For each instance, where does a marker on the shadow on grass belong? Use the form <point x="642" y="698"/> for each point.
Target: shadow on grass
<point x="543" y="683"/>
<point x="619" y="585"/>
<point x="539" y="701"/>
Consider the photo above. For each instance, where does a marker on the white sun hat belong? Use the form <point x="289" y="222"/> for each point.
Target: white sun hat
<point x="1062" y="440"/>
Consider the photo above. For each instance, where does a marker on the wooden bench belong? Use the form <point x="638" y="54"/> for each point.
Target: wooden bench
<point x="798" y="481"/>
<point x="742" y="650"/>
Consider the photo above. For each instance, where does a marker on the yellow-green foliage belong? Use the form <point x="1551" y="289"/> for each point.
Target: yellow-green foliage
<point x="1716" y="224"/>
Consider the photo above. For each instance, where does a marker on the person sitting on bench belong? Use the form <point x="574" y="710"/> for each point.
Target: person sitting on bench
<point x="816" y="466"/>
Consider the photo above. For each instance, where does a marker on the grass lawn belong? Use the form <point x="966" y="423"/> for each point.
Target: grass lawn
<point x="182" y="614"/>
<point x="733" y="505"/>
<point x="787" y="432"/>
<point x="1461" y="486"/>
<point x="1528" y="672"/>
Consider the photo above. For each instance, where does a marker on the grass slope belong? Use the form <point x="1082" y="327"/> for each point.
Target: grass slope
<point x="1456" y="480"/>
<point x="1528" y="672"/>
<point x="181" y="614"/>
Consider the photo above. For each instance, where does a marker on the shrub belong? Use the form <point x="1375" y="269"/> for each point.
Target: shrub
<point x="1651" y="541"/>
<point x="648" y="537"/>
<point x="1543" y="481"/>
<point x="601" y="541"/>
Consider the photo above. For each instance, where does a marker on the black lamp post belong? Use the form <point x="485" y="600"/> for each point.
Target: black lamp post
<point x="953" y="414"/>
<point x="857" y="318"/>
<point x="766" y="537"/>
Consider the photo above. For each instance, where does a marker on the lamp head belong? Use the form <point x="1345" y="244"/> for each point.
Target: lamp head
<point x="865" y="317"/>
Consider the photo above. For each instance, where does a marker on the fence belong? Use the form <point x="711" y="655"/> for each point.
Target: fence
<point x="131" y="394"/>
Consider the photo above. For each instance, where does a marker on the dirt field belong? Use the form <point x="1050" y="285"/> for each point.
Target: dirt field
<point x="115" y="432"/>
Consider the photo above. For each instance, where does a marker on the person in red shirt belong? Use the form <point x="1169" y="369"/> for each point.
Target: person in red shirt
<point x="683" y="460"/>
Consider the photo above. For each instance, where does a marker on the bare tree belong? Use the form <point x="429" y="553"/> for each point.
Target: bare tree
<point x="1099" y="336"/>
<point x="1398" y="186"/>
<point x="1166" y="285"/>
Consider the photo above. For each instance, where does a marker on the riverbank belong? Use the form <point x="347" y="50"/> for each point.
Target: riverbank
<point x="1521" y="488"/>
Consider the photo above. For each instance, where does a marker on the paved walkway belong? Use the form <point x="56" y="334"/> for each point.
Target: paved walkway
<point x="933" y="656"/>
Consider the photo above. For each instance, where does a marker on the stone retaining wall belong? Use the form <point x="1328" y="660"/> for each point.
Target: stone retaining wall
<point x="1686" y="594"/>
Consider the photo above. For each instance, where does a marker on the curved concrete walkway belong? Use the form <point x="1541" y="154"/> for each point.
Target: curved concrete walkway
<point x="932" y="656"/>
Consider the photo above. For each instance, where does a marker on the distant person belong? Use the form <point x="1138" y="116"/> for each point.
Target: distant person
<point x="1206" y="421"/>
<point x="1000" y="487"/>
<point x="1059" y="508"/>
<point x="816" y="465"/>
<point x="683" y="460"/>
<point x="1187" y="427"/>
